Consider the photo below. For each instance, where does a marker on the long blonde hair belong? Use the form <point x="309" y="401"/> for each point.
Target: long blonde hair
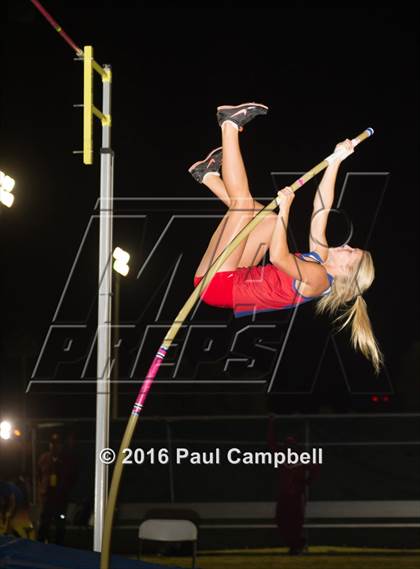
<point x="345" y="289"/>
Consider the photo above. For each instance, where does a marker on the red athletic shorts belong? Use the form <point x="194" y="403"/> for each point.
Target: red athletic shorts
<point x="220" y="290"/>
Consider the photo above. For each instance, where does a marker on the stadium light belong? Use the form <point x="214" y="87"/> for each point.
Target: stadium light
<point x="121" y="261"/>
<point x="5" y="430"/>
<point x="6" y="187"/>
<point x="6" y="198"/>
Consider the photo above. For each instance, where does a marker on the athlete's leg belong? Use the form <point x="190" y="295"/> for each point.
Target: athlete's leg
<point x="258" y="240"/>
<point x="217" y="186"/>
<point x="233" y="168"/>
<point x="241" y="204"/>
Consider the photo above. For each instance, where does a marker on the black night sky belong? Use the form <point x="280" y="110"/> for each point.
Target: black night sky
<point x="325" y="74"/>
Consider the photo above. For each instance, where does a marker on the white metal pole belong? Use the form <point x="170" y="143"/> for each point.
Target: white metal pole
<point x="104" y="320"/>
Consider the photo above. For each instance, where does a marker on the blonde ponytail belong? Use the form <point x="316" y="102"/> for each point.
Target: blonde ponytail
<point x="344" y="290"/>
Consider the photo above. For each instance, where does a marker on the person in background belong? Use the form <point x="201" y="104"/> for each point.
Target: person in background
<point x="293" y="482"/>
<point x="14" y="514"/>
<point x="57" y="475"/>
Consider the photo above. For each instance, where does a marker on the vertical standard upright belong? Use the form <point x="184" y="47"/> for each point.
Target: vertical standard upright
<point x="103" y="337"/>
<point x="104" y="320"/>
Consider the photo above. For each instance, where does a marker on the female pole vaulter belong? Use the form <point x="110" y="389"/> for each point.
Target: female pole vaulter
<point x="334" y="276"/>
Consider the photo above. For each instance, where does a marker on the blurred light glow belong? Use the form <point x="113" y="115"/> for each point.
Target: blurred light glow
<point x="121" y="268"/>
<point x="6" y="182"/>
<point x="121" y="255"/>
<point x="121" y="261"/>
<point x="5" y="430"/>
<point x="17" y="433"/>
<point x="6" y="198"/>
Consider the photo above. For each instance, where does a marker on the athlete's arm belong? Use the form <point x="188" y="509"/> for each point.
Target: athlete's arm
<point x="310" y="273"/>
<point x="323" y="202"/>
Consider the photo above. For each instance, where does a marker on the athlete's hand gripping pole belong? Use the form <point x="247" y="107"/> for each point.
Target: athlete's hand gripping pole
<point x="339" y="154"/>
<point x="170" y="336"/>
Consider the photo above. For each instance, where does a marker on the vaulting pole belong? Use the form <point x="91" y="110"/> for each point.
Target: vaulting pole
<point x="57" y="27"/>
<point x="173" y="330"/>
